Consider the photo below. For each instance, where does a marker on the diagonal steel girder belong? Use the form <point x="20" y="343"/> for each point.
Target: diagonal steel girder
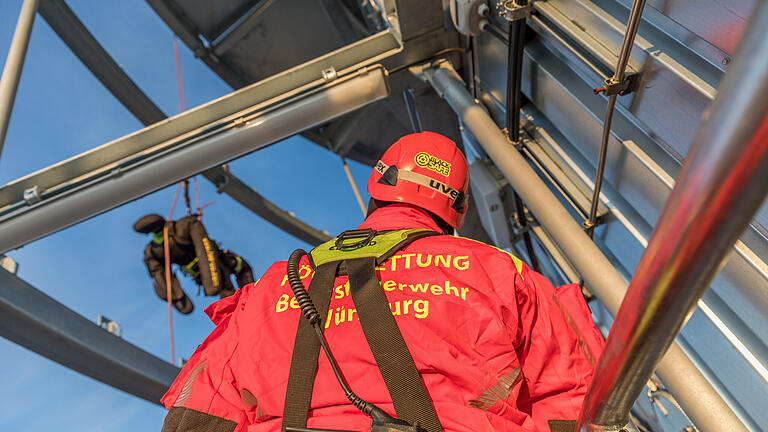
<point x="82" y="43"/>
<point x="85" y="46"/>
<point x="179" y="156"/>
<point x="41" y="324"/>
<point x="112" y="160"/>
<point x="229" y="184"/>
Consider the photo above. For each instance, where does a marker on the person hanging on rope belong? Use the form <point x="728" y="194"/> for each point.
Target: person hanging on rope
<point x="434" y="332"/>
<point x="196" y="255"/>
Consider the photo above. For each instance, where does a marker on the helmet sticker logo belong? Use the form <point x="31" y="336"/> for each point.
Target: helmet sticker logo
<point x="426" y="160"/>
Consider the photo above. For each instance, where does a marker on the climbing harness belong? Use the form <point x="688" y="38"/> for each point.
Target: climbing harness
<point x="191" y="268"/>
<point x="356" y="253"/>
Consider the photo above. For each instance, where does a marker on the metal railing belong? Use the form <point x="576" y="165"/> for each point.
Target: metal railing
<point x="721" y="186"/>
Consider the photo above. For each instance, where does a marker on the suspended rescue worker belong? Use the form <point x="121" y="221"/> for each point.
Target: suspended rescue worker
<point x="441" y="332"/>
<point x="196" y="254"/>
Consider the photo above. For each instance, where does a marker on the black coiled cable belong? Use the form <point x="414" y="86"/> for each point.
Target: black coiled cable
<point x="310" y="312"/>
<point x="378" y="416"/>
<point x="302" y="296"/>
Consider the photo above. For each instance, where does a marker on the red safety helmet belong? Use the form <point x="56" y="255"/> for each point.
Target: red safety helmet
<point x="425" y="169"/>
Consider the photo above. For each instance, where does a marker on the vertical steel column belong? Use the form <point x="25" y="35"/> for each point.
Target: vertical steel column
<point x="718" y="191"/>
<point x="696" y="395"/>
<point x="9" y="81"/>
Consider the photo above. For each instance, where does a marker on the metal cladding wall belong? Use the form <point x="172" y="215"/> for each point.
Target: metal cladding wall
<point x="682" y="51"/>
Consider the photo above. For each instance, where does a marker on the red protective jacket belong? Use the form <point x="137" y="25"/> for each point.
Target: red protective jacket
<point x="497" y="346"/>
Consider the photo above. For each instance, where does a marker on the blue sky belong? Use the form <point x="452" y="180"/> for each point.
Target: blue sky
<point x="96" y="267"/>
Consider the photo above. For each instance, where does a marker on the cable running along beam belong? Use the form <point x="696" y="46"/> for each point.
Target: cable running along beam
<point x="516" y="38"/>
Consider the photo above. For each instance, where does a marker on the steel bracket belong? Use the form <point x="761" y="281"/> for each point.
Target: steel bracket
<point x="516" y="144"/>
<point x="519" y="231"/>
<point x="116" y="172"/>
<point x="109" y="325"/>
<point x="32" y="195"/>
<point x="511" y="10"/>
<point x="329" y="74"/>
<point x="589" y="226"/>
<point x="612" y="86"/>
<point x="221" y="185"/>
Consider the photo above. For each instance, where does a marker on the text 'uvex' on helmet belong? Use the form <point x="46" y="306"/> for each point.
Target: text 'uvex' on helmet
<point x="427" y="170"/>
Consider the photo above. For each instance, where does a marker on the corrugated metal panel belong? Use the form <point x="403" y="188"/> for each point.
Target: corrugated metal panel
<point x="652" y="132"/>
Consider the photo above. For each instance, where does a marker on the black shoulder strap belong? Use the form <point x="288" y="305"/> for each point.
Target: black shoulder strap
<point x="395" y="363"/>
<point x="306" y="348"/>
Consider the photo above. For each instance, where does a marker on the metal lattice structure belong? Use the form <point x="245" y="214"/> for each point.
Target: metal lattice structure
<point x="359" y="74"/>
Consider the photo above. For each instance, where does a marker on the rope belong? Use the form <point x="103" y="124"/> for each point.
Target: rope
<point x="173" y="205"/>
<point x="197" y="200"/>
<point x="167" y="254"/>
<point x="186" y="196"/>
<point x="179" y="80"/>
<point x="183" y="107"/>
<point x="668" y="396"/>
<point x="168" y="290"/>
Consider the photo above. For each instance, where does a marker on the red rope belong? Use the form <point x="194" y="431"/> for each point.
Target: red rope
<point x="175" y="198"/>
<point x="167" y="253"/>
<point x="168" y="290"/>
<point x="179" y="80"/>
<point x="166" y="247"/>
<point x="183" y="107"/>
<point x="197" y="199"/>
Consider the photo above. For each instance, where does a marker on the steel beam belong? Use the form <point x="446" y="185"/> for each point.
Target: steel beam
<point x="342" y="134"/>
<point x="82" y="43"/>
<point x="14" y="63"/>
<point x="196" y="121"/>
<point x="345" y="24"/>
<point x="41" y="324"/>
<point x="227" y="183"/>
<point x="719" y="189"/>
<point x="241" y="28"/>
<point x="183" y="156"/>
<point x="696" y="395"/>
<point x="183" y="29"/>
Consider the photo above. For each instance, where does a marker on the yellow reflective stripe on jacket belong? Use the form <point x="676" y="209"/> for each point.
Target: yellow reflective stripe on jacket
<point x="518" y="262"/>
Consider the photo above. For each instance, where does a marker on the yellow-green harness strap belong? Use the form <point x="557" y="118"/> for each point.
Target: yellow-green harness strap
<point x="365" y="243"/>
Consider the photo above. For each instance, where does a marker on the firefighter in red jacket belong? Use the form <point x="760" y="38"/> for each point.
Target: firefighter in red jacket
<point x="495" y="346"/>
